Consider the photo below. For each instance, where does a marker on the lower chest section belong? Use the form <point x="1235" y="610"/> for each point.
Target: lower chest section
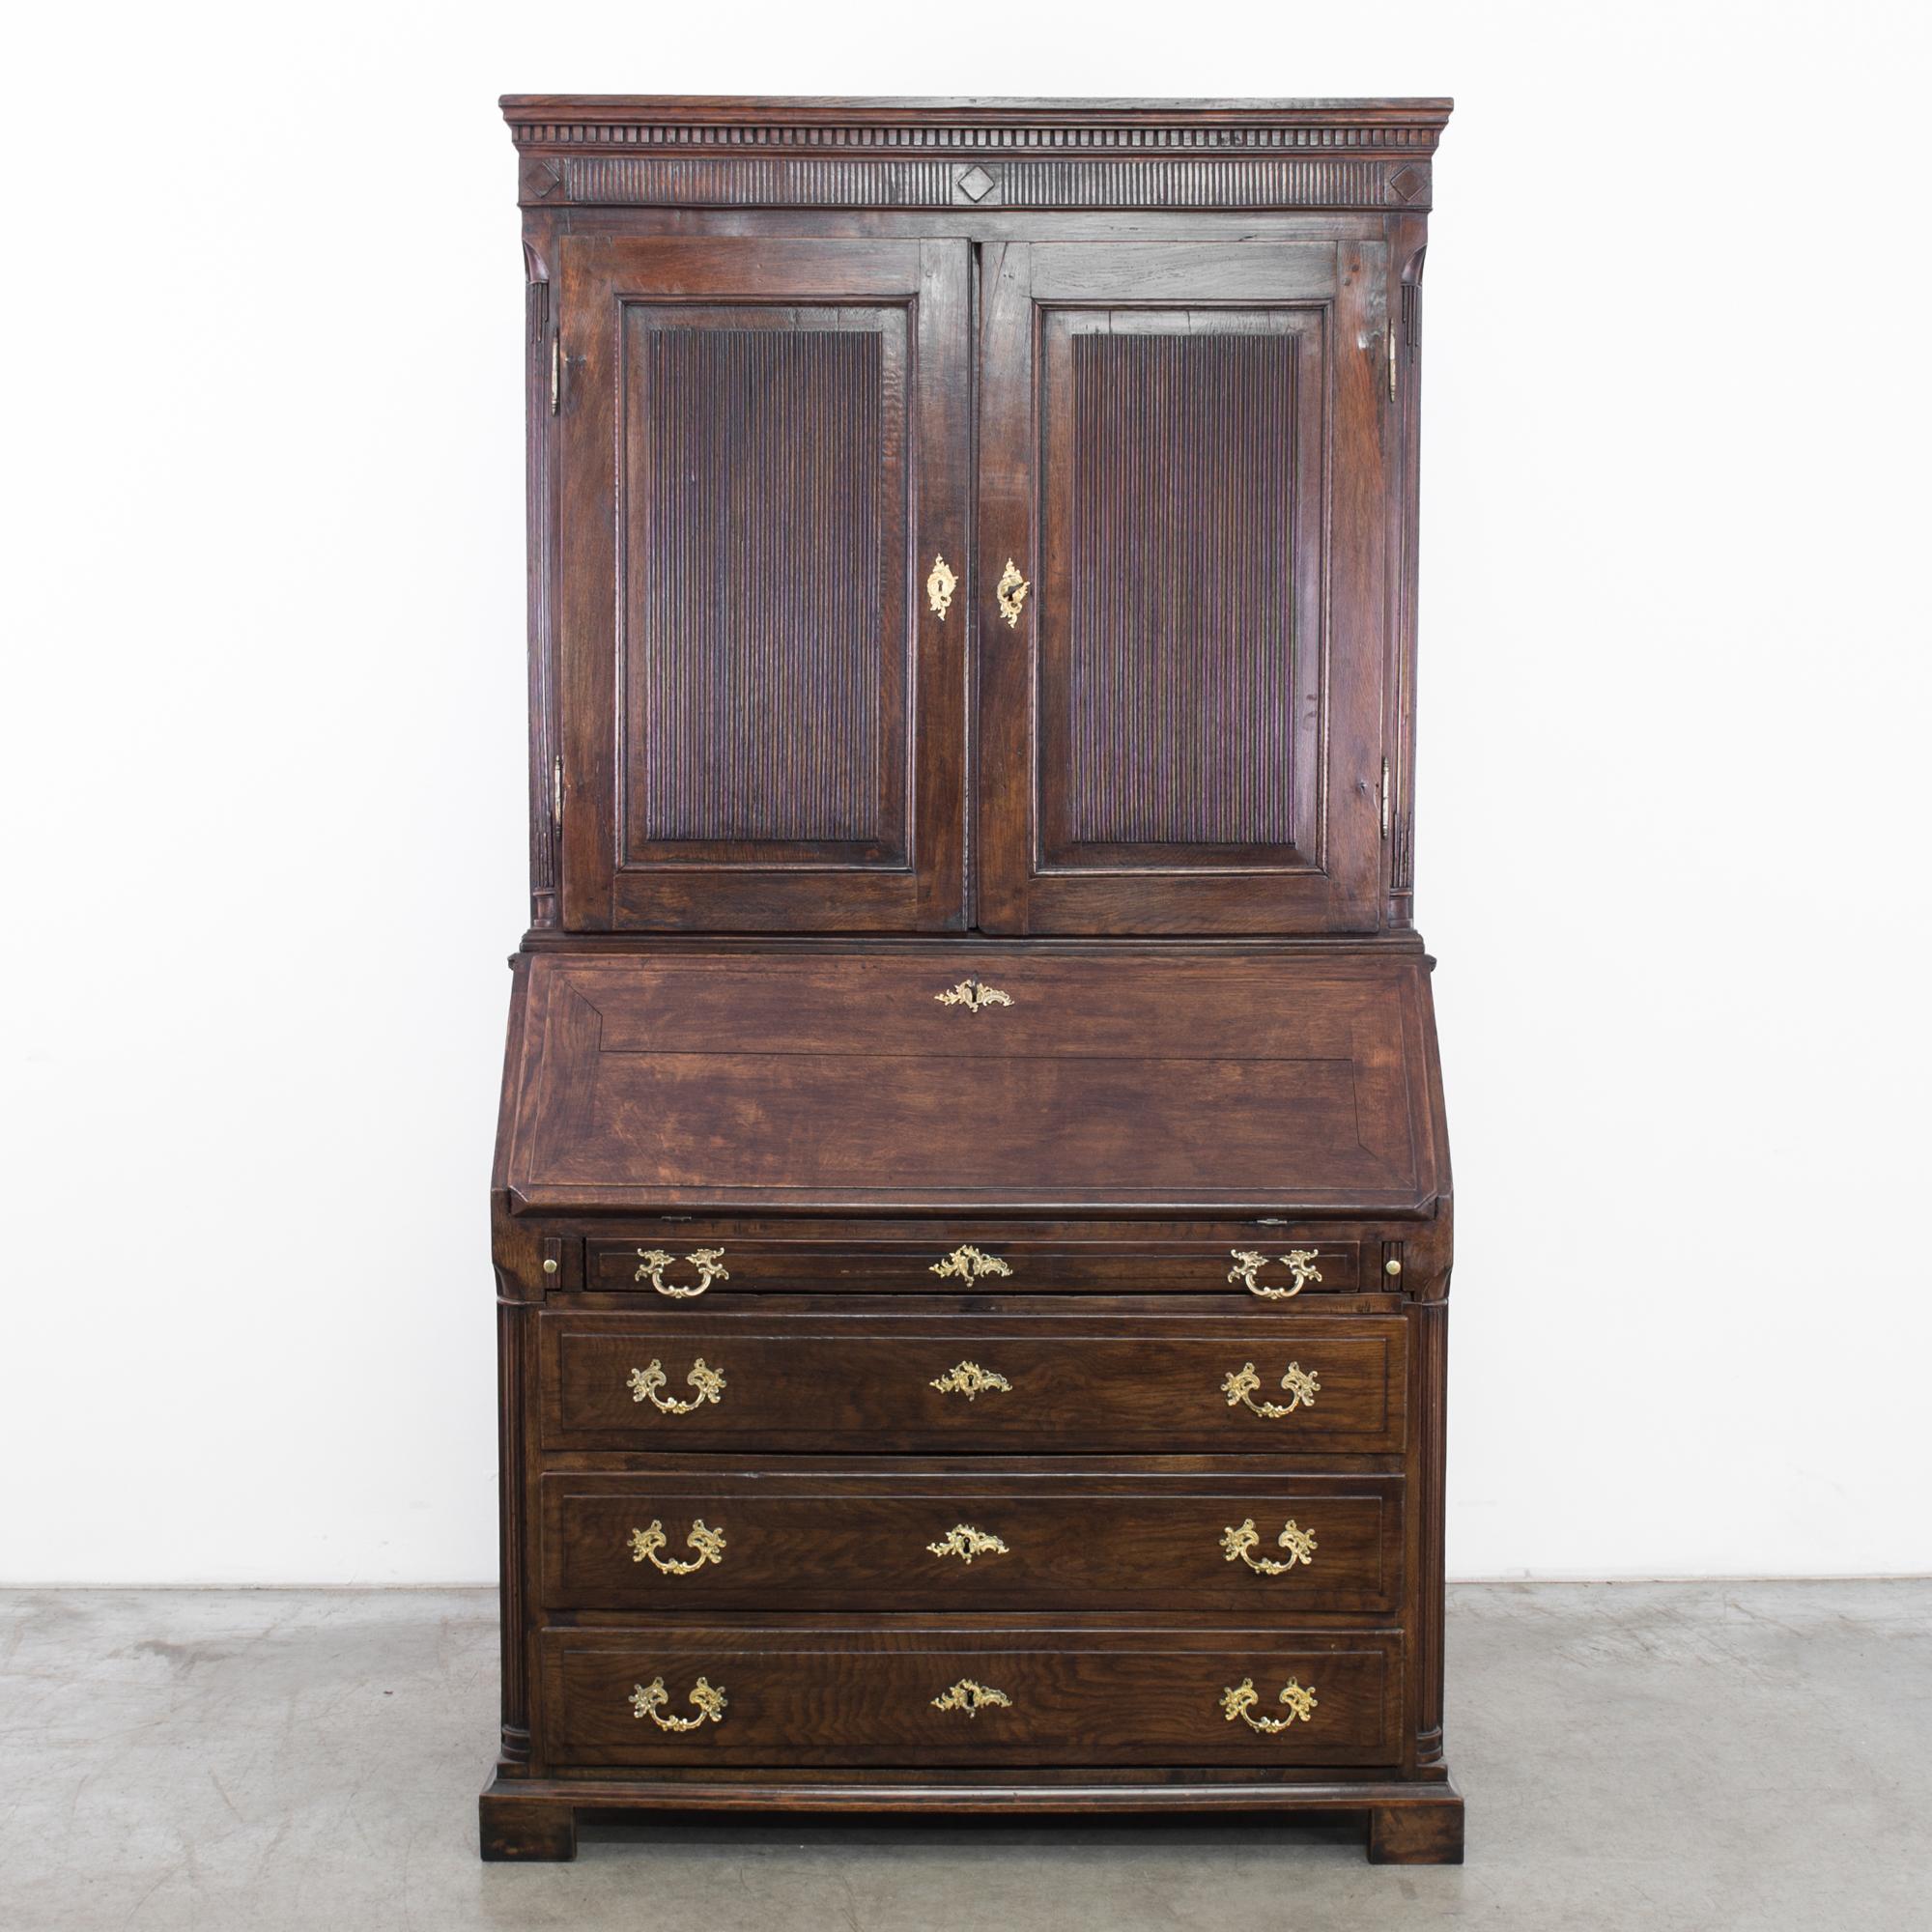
<point x="928" y="1532"/>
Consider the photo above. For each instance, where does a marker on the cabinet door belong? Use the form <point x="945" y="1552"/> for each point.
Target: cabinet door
<point x="1181" y="454"/>
<point x="765" y="445"/>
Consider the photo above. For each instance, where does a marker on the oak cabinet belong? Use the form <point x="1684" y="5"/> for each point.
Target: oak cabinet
<point x="971" y="1212"/>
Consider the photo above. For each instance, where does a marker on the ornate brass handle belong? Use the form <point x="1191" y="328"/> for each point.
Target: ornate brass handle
<point x="965" y="1542"/>
<point x="648" y="1700"/>
<point x="1302" y="1389"/>
<point x="645" y="1384"/>
<point x="970" y="1697"/>
<point x="709" y="1545"/>
<point x="968" y="1378"/>
<point x="708" y="1262"/>
<point x="969" y="1264"/>
<point x="1241" y="1703"/>
<point x="1239" y="1546"/>
<point x="940" y="585"/>
<point x="973" y="996"/>
<point x="1011" y="592"/>
<point x="1248" y="1263"/>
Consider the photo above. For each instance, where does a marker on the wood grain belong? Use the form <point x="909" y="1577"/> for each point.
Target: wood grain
<point x="1105" y="1540"/>
<point x="1164" y="357"/>
<point x="758" y="716"/>
<point x="1172" y="744"/>
<point x="812" y="1378"/>
<point x="827" y="1696"/>
<point x="1191" y="1082"/>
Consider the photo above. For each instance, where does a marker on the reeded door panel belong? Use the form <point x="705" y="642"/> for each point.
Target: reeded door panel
<point x="761" y="713"/>
<point x="1180" y="457"/>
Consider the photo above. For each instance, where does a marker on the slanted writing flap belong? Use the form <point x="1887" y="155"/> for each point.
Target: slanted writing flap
<point x="826" y="1081"/>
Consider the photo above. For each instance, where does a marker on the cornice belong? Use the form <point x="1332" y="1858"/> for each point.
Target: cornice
<point x="573" y="123"/>
<point x="729" y="152"/>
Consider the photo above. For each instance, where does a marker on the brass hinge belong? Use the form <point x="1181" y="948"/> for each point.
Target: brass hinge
<point x="557" y="793"/>
<point x="1386" y="798"/>
<point x="1391" y="344"/>
<point x="557" y="371"/>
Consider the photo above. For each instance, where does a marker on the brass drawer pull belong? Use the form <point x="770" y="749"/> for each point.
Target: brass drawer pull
<point x="1239" y="1546"/>
<point x="1241" y="1383"/>
<point x="648" y="1700"/>
<point x="645" y="1384"/>
<point x="709" y="1545"/>
<point x="708" y="1262"/>
<point x="970" y="1697"/>
<point x="973" y="996"/>
<point x="969" y="1264"/>
<point x="1241" y="1703"/>
<point x="1300" y="1262"/>
<point x="940" y="585"/>
<point x="1011" y="592"/>
<point x="965" y="1542"/>
<point x="968" y="1378"/>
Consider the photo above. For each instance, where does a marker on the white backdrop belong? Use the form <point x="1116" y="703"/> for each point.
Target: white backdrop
<point x="265" y="730"/>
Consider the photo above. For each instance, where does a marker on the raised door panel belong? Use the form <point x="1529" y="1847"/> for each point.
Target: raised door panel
<point x="1181" y="456"/>
<point x="761" y="714"/>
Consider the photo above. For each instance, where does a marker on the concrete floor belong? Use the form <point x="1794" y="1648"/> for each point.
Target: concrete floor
<point x="1687" y="1756"/>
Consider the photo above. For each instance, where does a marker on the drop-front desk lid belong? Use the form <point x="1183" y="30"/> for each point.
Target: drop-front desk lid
<point x="1102" y="1081"/>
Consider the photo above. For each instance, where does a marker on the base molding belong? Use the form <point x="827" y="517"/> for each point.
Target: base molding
<point x="531" y="1819"/>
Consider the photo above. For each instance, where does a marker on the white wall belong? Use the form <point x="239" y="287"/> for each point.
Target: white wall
<point x="265" y="713"/>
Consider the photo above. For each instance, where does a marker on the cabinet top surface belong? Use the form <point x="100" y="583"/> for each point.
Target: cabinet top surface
<point x="553" y="120"/>
<point x="1321" y="107"/>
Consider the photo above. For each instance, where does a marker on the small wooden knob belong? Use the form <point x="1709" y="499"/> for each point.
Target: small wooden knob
<point x="1391" y="1268"/>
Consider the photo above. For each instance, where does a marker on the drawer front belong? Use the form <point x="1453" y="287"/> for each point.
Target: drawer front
<point x="797" y="1695"/>
<point x="1109" y="1542"/>
<point x="683" y="1266"/>
<point x="899" y="1383"/>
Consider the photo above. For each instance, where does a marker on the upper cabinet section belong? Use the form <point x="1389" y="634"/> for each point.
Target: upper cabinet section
<point x="972" y="516"/>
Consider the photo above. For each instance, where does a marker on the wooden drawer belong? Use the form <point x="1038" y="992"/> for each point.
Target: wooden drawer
<point x="785" y="1378"/>
<point x="942" y="1539"/>
<point x="838" y="1694"/>
<point x="1274" y="1263"/>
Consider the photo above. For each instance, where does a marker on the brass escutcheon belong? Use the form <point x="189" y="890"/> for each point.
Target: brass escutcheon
<point x="940" y="585"/>
<point x="970" y="1697"/>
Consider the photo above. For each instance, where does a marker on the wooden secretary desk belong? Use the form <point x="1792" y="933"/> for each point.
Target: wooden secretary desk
<point x="971" y="1210"/>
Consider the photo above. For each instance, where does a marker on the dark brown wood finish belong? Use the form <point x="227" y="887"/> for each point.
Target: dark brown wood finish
<point x="1133" y="1081"/>
<point x="811" y="1377"/>
<point x="997" y="1051"/>
<point x="1183" y="733"/>
<point x="826" y="1695"/>
<point x="672" y="1540"/>
<point x="756" y="438"/>
<point x="1047" y="1258"/>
